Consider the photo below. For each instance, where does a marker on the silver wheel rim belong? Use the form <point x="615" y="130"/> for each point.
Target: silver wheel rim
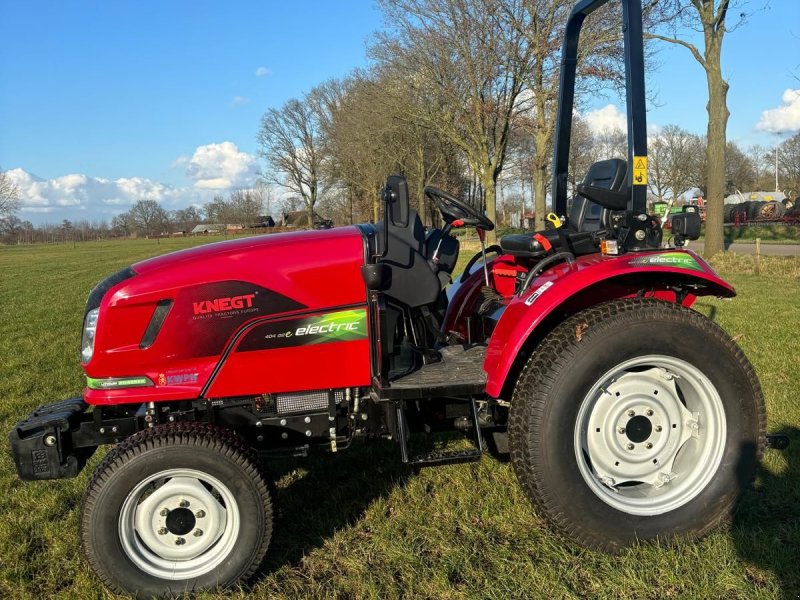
<point x="179" y="524"/>
<point x="650" y="435"/>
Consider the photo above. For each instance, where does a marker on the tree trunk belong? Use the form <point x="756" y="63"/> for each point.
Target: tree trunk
<point x="718" y="113"/>
<point x="539" y="194"/>
<point x="490" y="195"/>
<point x="310" y="207"/>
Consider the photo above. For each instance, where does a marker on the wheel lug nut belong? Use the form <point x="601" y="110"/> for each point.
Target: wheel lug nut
<point x="180" y="542"/>
<point x="162" y="531"/>
<point x="184" y="504"/>
<point x="198" y="532"/>
<point x="631" y="413"/>
<point x="658" y="427"/>
<point x="164" y="512"/>
<point x="620" y="430"/>
<point x="648" y="445"/>
<point x="200" y="514"/>
<point x="630" y="446"/>
<point x="649" y="413"/>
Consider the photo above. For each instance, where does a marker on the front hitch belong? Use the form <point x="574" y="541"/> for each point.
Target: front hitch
<point x="43" y="445"/>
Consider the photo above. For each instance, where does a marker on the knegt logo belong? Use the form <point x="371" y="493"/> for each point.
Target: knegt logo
<point x="205" y="307"/>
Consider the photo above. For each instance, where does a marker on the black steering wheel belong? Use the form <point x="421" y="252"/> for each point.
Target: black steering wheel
<point x="456" y="212"/>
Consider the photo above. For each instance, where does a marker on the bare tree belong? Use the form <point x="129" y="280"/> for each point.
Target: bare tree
<point x="740" y="173"/>
<point x="9" y="195"/>
<point x="789" y="163"/>
<point x="291" y="142"/>
<point x="673" y="155"/>
<point x="471" y="65"/>
<point x="246" y="206"/>
<point x="185" y="219"/>
<point x="148" y="217"/>
<point x="541" y="23"/>
<point x="709" y="17"/>
<point x="758" y="159"/>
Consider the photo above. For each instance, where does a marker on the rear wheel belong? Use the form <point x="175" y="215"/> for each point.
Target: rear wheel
<point x="636" y="420"/>
<point x="177" y="509"/>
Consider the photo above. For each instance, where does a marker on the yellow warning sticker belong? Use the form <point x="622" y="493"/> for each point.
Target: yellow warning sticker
<point x="639" y="170"/>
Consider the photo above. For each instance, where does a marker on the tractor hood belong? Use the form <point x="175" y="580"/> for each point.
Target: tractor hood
<point x="316" y="269"/>
<point x="185" y="309"/>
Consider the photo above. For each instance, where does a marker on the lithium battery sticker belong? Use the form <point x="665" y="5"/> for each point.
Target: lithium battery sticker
<point x="541" y="290"/>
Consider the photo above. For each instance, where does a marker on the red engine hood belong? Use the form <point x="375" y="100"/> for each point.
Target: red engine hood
<point x="239" y="249"/>
<point x="215" y="291"/>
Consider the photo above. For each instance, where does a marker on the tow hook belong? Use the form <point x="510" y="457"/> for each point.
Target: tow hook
<point x="778" y="441"/>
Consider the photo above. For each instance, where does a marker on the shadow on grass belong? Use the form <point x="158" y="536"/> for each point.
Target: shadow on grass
<point x="324" y="493"/>
<point x="766" y="527"/>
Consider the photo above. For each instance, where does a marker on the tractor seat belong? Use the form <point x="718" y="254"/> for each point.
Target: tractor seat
<point x="586" y="222"/>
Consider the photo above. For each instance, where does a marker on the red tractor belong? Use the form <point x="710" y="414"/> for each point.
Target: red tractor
<point x="628" y="416"/>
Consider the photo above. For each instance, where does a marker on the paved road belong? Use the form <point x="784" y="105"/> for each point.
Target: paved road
<point x="766" y="249"/>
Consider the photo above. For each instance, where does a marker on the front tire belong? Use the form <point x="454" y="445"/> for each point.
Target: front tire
<point x="177" y="509"/>
<point x="636" y="420"/>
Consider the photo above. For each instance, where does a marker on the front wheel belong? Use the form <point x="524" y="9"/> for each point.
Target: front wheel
<point x="177" y="509"/>
<point x="636" y="420"/>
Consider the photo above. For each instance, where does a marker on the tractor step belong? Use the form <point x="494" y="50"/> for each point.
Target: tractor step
<point x="441" y="458"/>
<point x="445" y="458"/>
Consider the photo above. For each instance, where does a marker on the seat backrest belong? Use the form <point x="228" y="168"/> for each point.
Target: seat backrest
<point x="585" y="215"/>
<point x="409" y="280"/>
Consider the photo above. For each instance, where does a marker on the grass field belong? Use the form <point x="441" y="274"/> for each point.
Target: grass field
<point x="359" y="524"/>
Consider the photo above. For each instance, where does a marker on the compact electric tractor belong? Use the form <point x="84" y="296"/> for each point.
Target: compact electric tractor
<point x="627" y="416"/>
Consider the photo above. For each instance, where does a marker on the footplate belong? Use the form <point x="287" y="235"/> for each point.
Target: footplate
<point x="42" y="443"/>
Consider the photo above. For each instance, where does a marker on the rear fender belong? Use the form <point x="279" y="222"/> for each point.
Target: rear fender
<point x="673" y="276"/>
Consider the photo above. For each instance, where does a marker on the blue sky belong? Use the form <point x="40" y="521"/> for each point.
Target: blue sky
<point x="160" y="93"/>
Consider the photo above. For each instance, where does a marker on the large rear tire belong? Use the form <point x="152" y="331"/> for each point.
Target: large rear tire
<point x="636" y="420"/>
<point x="177" y="509"/>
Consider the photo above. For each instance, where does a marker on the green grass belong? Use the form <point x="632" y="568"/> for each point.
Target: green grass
<point x="359" y="524"/>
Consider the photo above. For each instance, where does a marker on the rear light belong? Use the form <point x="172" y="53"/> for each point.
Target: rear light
<point x="89" y="331"/>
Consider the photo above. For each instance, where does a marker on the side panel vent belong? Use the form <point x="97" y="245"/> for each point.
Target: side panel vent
<point x="306" y="402"/>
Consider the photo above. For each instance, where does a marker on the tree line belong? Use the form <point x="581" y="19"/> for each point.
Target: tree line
<point x="146" y="218"/>
<point x="462" y="94"/>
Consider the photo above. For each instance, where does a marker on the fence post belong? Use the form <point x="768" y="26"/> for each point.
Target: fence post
<point x="758" y="256"/>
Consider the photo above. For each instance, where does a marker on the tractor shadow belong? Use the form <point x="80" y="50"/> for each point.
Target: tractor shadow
<point x="766" y="526"/>
<point x="318" y="495"/>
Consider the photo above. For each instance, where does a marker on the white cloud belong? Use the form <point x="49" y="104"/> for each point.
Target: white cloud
<point x="220" y="166"/>
<point x="76" y="195"/>
<point x="785" y="118"/>
<point x="263" y="72"/>
<point x="608" y="118"/>
<point x="213" y="168"/>
<point x="239" y="100"/>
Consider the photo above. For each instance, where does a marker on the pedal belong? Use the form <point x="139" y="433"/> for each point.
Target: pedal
<point x="446" y="458"/>
<point x="778" y="441"/>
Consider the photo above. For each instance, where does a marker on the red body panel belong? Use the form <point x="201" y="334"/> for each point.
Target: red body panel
<point x="219" y="290"/>
<point x="564" y="282"/>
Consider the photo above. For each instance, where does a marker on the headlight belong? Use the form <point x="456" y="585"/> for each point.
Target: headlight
<point x="89" y="330"/>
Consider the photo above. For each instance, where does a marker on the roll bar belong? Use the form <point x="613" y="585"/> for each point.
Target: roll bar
<point x="635" y="100"/>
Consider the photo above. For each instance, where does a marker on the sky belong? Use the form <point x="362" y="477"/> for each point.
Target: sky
<point x="103" y="103"/>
